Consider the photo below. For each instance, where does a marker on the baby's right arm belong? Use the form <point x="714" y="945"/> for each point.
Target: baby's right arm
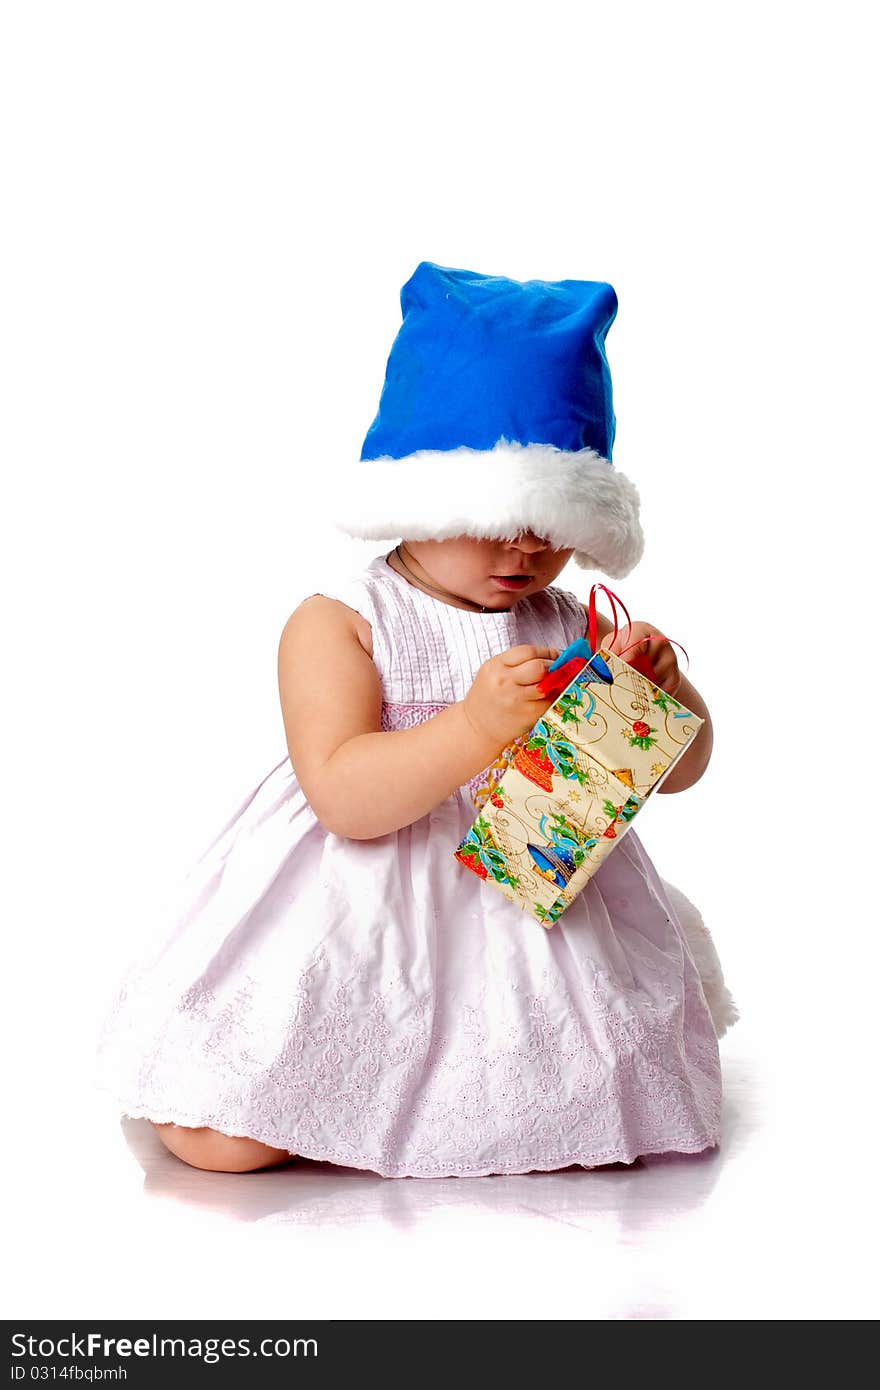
<point x="361" y="781"/>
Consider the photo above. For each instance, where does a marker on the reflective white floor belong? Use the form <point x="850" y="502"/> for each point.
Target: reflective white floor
<point x="119" y="1227"/>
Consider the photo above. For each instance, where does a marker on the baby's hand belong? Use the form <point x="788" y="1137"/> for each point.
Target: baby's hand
<point x="503" y="702"/>
<point x="662" y="665"/>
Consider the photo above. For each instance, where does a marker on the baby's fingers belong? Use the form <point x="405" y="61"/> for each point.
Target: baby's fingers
<point x="531" y="672"/>
<point x="524" y="657"/>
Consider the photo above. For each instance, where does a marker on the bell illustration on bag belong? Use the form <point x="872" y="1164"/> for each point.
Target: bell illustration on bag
<point x="559" y="860"/>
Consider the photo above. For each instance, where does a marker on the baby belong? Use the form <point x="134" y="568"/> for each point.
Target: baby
<point x="331" y="984"/>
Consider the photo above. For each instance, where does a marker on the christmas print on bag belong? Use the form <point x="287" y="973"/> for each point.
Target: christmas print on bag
<point x="564" y="794"/>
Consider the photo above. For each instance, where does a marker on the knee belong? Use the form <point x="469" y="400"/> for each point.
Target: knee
<point x="219" y="1153"/>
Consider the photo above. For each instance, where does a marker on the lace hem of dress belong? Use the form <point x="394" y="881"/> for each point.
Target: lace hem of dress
<point x="333" y="1068"/>
<point x="541" y="1163"/>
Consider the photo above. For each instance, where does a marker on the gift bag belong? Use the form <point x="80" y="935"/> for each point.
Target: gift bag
<point x="565" y="793"/>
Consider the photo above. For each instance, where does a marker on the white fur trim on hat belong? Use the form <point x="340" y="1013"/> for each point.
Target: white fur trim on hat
<point x="575" y="499"/>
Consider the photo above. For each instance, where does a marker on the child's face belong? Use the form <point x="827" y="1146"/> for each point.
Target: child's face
<point x="472" y="568"/>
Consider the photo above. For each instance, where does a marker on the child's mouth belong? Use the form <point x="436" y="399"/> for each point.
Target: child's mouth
<point x="512" y="581"/>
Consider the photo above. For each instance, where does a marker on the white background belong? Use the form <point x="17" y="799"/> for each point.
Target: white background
<point x="209" y="212"/>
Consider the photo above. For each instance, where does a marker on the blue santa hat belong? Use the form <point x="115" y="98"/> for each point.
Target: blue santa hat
<point x="496" y="418"/>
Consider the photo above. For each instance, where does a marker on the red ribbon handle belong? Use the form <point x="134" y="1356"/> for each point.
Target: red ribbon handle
<point x="641" y="662"/>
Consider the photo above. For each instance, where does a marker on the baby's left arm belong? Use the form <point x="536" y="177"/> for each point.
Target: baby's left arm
<point x="694" y="761"/>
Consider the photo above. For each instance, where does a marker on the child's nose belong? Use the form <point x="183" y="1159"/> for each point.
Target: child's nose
<point x="529" y="542"/>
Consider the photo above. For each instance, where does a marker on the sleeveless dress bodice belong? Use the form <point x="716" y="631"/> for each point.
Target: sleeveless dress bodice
<point x="427" y="652"/>
<point x="371" y="1003"/>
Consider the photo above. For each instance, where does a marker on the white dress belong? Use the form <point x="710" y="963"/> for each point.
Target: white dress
<point x="374" y="1004"/>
